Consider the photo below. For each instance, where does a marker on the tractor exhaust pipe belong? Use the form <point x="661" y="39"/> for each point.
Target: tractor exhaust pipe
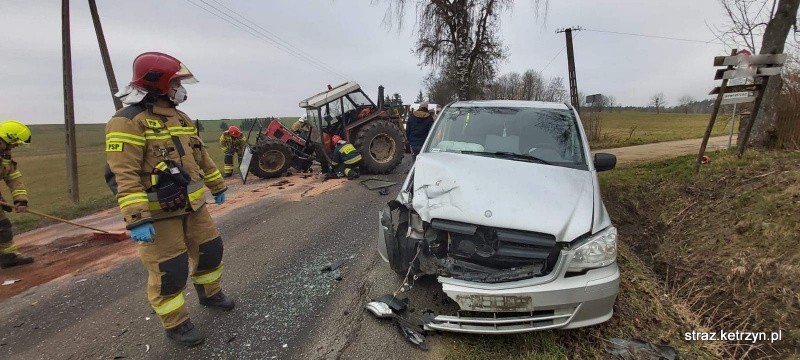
<point x="380" y="98"/>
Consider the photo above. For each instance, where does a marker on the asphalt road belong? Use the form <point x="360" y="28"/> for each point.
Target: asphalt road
<point x="286" y="307"/>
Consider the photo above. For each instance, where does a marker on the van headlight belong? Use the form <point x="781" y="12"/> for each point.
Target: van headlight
<point x="599" y="251"/>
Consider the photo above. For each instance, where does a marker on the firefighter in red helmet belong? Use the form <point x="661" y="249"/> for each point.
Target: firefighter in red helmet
<point x="232" y="143"/>
<point x="159" y="169"/>
<point x="345" y="159"/>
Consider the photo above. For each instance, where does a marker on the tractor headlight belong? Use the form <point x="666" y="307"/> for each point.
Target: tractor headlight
<point x="599" y="251"/>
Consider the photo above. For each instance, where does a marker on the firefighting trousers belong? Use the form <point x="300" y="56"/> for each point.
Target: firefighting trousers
<point x="227" y="169"/>
<point x="6" y="235"/>
<point x="184" y="246"/>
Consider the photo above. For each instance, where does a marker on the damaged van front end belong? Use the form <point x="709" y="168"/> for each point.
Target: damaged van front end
<point x="518" y="246"/>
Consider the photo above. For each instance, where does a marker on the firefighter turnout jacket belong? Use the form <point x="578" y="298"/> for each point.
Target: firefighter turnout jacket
<point x="139" y="139"/>
<point x="230" y="144"/>
<point x="12" y="176"/>
<point x="345" y="153"/>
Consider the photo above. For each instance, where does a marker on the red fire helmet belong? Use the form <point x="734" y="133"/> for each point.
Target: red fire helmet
<point x="153" y="71"/>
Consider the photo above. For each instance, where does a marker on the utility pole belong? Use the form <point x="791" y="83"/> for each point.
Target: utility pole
<point x="69" y="107"/>
<point x="101" y="41"/>
<point x="573" y="81"/>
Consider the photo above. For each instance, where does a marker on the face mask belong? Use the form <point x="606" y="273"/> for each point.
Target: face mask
<point x="180" y="95"/>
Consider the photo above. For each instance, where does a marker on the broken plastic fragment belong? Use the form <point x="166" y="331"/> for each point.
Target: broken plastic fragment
<point x="393" y="302"/>
<point x="379" y="309"/>
<point x="9" y="282"/>
<point x="410" y="332"/>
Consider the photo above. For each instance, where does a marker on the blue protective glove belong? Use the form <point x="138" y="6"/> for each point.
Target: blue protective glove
<point x="219" y="198"/>
<point x="143" y="232"/>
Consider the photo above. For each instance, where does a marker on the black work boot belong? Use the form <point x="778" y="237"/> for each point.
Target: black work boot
<point x="11" y="260"/>
<point x="186" y="334"/>
<point x="218" y="300"/>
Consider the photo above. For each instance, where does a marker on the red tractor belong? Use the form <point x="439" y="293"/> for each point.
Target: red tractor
<point x="277" y="148"/>
<point x="375" y="130"/>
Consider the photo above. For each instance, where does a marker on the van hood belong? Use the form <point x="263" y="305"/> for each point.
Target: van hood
<point x="504" y="193"/>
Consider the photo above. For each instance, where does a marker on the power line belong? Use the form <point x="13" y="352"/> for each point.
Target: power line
<point x="261" y="36"/>
<point x="556" y="55"/>
<point x="319" y="65"/>
<point x="654" y="36"/>
<point x="275" y="36"/>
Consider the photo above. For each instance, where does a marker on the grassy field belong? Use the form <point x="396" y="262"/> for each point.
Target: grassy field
<point x="634" y="128"/>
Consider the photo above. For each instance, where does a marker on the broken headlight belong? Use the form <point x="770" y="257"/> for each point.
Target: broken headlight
<point x="599" y="251"/>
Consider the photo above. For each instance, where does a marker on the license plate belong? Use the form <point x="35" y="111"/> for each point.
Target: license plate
<point x="495" y="302"/>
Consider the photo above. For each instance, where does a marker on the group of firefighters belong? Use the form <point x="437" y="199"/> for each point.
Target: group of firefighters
<point x="159" y="170"/>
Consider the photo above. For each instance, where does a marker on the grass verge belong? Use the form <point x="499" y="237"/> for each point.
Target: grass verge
<point x="723" y="242"/>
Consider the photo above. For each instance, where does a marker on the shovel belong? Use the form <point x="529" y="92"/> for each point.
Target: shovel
<point x="99" y="234"/>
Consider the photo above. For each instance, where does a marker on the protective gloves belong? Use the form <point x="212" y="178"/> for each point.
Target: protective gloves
<point x="143" y="232"/>
<point x="220" y="198"/>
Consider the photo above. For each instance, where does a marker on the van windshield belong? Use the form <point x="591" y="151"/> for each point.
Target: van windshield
<point x="547" y="136"/>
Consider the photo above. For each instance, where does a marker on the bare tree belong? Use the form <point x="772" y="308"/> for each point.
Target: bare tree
<point x="460" y="32"/>
<point x="609" y="102"/>
<point x="768" y="22"/>
<point x="685" y="101"/>
<point x="658" y="101"/>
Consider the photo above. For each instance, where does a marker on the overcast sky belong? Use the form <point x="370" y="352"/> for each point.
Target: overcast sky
<point x="242" y="76"/>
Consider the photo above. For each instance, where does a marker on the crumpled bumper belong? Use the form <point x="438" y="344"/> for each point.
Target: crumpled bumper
<point x="523" y="306"/>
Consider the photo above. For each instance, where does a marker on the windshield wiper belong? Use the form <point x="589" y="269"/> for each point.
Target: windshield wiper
<point x="509" y="155"/>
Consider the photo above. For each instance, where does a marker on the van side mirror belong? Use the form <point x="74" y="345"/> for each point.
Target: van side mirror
<point x="604" y="161"/>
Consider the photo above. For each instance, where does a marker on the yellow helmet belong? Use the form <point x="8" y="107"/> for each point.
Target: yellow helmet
<point x="14" y="132"/>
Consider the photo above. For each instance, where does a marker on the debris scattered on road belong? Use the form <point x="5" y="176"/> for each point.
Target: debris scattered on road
<point x="146" y="347"/>
<point x="332" y="266"/>
<point x="389" y="306"/>
<point x="384" y="191"/>
<point x="285" y="346"/>
<point x="230" y="339"/>
<point x="638" y="349"/>
<point x="9" y="282"/>
<point x="393" y="302"/>
<point x="19" y="325"/>
<point x="80" y="281"/>
<point x="379" y="309"/>
<point x="147" y="318"/>
<point x="280" y="183"/>
<point x="375" y="184"/>
<point x="411" y="333"/>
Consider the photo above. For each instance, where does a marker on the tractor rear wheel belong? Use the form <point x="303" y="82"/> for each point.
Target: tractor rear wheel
<point x="271" y="158"/>
<point x="382" y="146"/>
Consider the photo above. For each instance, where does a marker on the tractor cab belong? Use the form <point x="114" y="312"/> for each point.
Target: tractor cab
<point x="347" y="111"/>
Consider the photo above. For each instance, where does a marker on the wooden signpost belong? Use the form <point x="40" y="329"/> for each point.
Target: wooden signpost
<point x="747" y="74"/>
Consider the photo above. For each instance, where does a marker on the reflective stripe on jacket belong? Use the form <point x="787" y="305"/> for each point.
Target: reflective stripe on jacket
<point x="139" y="137"/>
<point x="345" y="153"/>
<point x="11" y="174"/>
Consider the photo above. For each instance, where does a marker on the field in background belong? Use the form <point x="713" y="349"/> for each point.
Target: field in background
<point x="628" y="128"/>
<point x="43" y="162"/>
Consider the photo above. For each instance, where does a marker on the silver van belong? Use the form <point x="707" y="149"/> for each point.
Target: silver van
<point x="503" y="205"/>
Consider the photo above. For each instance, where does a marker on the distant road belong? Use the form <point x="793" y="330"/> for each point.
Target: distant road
<point x="665" y="150"/>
